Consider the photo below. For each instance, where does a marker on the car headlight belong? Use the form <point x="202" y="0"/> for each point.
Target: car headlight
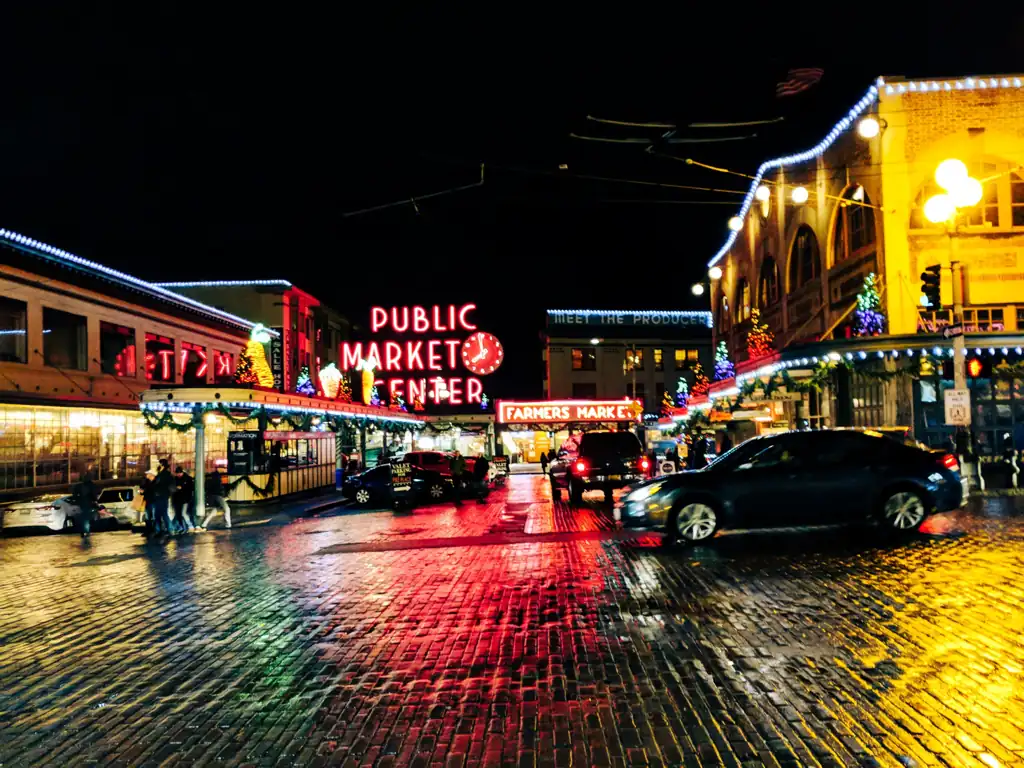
<point x="642" y="494"/>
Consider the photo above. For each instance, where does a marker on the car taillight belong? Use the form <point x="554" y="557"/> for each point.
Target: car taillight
<point x="949" y="462"/>
<point x="645" y="464"/>
<point x="581" y="466"/>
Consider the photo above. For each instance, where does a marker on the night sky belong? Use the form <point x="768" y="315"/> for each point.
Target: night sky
<point x="228" y="144"/>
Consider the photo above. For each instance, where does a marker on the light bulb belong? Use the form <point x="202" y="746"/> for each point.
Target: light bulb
<point x="868" y="128"/>
<point x="595" y="341"/>
<point x="715" y="273"/>
<point x="763" y="193"/>
<point x="966" y="192"/>
<point x="735" y="223"/>
<point x="698" y="289"/>
<point x="950" y="173"/>
<point x="799" y="195"/>
<point x="939" y="208"/>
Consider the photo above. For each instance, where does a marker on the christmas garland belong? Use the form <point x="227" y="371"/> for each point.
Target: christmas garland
<point x="299" y="422"/>
<point x="267" y="490"/>
<point x="166" y="421"/>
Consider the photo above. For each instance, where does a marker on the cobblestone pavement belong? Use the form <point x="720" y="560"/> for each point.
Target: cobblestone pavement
<point x="515" y="633"/>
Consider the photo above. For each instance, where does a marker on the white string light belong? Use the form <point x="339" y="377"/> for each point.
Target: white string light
<point x="963" y="84"/>
<point x="224" y="283"/>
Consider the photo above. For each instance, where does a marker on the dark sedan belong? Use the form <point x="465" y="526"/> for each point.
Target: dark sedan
<point x="373" y="486"/>
<point x="800" y="479"/>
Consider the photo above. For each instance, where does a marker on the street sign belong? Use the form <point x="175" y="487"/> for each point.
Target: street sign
<point x="952" y="331"/>
<point x="401" y="477"/>
<point x="958" y="407"/>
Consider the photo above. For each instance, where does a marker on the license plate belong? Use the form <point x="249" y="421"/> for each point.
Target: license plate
<point x="614" y="477"/>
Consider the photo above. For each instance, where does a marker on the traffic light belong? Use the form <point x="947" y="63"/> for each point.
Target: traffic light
<point x="931" y="286"/>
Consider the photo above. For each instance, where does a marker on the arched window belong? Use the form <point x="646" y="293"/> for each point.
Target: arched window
<point x="768" y="283"/>
<point x="854" y="232"/>
<point x="804" y="263"/>
<point x="742" y="300"/>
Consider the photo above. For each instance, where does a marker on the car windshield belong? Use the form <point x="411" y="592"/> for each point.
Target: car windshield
<point x="610" y="444"/>
<point x="738" y="455"/>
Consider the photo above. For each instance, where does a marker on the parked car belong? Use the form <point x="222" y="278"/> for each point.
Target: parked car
<point x="55" y="511"/>
<point x="373" y="486"/>
<point x="117" y="500"/>
<point x="604" y="460"/>
<point x="800" y="479"/>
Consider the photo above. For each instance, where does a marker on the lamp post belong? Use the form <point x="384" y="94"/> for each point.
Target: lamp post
<point x="962" y="191"/>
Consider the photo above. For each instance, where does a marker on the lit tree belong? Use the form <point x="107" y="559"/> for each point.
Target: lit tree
<point x="724" y="368"/>
<point x="682" y="393"/>
<point x="245" y="373"/>
<point x="700" y="380"/>
<point x="668" y="404"/>
<point x="484" y="401"/>
<point x="759" y="338"/>
<point x="344" y="389"/>
<point x="304" y="386"/>
<point x="868" y="319"/>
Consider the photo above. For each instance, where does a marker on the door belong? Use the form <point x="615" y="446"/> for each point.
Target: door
<point x="843" y="475"/>
<point x="770" y="488"/>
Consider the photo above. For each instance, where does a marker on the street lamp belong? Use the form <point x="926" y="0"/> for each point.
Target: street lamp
<point x="698" y="289"/>
<point x="715" y="273"/>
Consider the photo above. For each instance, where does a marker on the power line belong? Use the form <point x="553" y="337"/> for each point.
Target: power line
<point x="414" y="200"/>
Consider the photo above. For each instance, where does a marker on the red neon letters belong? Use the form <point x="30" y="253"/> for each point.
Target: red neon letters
<point x="556" y="411"/>
<point x="437" y="319"/>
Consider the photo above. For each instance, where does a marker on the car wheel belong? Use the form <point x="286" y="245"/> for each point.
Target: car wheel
<point x="362" y="496"/>
<point x="436" y="491"/>
<point x="693" y="523"/>
<point x="903" y="512"/>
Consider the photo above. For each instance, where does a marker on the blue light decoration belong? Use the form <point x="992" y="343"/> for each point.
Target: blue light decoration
<point x="38" y="248"/>
<point x="304" y="385"/>
<point x="801" y="157"/>
<point x="724" y="369"/>
<point x="225" y="284"/>
<point x="868" y="319"/>
<point x="484" y="401"/>
<point x="682" y="393"/>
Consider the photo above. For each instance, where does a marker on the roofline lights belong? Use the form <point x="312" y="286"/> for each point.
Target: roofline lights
<point x="27" y="243"/>
<point x="962" y="84"/>
<point x="179" y="407"/>
<point x="223" y="283"/>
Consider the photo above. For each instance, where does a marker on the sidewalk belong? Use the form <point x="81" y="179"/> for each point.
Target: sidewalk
<point x="311" y="505"/>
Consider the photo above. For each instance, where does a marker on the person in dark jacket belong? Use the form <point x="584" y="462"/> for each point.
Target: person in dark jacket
<point x="148" y="489"/>
<point x="184" y="501"/>
<point x="85" y="498"/>
<point x="215" y="501"/>
<point x="543" y="463"/>
<point x="163" y="486"/>
<point x="457" y="467"/>
<point x="480" y="471"/>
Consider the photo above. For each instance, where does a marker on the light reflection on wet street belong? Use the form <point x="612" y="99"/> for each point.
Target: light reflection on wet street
<point x="517" y="633"/>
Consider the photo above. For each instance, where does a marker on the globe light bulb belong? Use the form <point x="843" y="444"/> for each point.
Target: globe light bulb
<point x="595" y="340"/>
<point x="735" y="223"/>
<point x="966" y="193"/>
<point x="939" y="208"/>
<point x="868" y="128"/>
<point x="715" y="273"/>
<point x="799" y="195"/>
<point x="763" y="193"/>
<point x="698" y="289"/>
<point x="950" y="173"/>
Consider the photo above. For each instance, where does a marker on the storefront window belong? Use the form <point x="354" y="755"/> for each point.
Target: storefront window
<point x="159" y="358"/>
<point x="193" y="363"/>
<point x="13" y="346"/>
<point x="223" y="367"/>
<point x="64" y="340"/>
<point x="117" y="349"/>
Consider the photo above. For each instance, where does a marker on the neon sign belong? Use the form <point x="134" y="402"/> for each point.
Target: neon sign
<point x="559" y="411"/>
<point x="446" y="344"/>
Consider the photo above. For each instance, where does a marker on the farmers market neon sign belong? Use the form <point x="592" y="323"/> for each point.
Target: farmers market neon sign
<point x="559" y="411"/>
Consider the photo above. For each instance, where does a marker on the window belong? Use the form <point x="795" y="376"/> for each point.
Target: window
<point x="686" y="358"/>
<point x="117" y="350"/>
<point x="584" y="359"/>
<point x="223" y="367"/>
<point x="64" y="340"/>
<point x="583" y="391"/>
<point x="742" y="300"/>
<point x="193" y="363"/>
<point x="768" y="283"/>
<point x="1017" y="199"/>
<point x="13" y="341"/>
<point x="634" y="359"/>
<point x="854" y="233"/>
<point x="159" y="358"/>
<point x="804" y="264"/>
<point x="659" y="360"/>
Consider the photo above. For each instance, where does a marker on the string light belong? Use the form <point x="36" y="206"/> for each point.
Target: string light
<point x="964" y="84"/>
<point x="799" y="195"/>
<point x="190" y="406"/>
<point x="224" y="283"/>
<point x="735" y="223"/>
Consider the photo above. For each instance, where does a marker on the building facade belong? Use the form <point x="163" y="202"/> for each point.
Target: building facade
<point x="612" y="354"/>
<point x="814" y="225"/>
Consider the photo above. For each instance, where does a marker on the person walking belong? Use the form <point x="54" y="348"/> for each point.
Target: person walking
<point x="163" y="486"/>
<point x="481" y="470"/>
<point x="543" y="462"/>
<point x="457" y="466"/>
<point x="215" y="501"/>
<point x="147" y="488"/>
<point x="85" y="498"/>
<point x="184" y="501"/>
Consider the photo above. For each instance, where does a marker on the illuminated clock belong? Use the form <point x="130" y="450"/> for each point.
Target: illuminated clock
<point x="482" y="353"/>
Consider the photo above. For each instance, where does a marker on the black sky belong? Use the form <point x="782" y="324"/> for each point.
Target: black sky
<point x="188" y="141"/>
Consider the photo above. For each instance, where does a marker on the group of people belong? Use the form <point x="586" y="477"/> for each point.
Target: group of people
<point x="476" y="481"/>
<point x="163" y="492"/>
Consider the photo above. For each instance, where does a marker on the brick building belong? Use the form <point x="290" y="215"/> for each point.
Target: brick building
<point x="814" y="224"/>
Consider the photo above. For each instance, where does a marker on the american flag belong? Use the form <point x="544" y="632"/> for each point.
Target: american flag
<point x="798" y="80"/>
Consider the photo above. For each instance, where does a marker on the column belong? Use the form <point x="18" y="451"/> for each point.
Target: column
<point x="362" y="443"/>
<point x="200" y="465"/>
<point x="339" y="466"/>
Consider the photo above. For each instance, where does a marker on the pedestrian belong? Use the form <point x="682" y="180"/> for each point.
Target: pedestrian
<point x="184" y="501"/>
<point x="147" y="489"/>
<point x="481" y="470"/>
<point x="163" y="485"/>
<point x="726" y="444"/>
<point x="543" y="463"/>
<point x="85" y="499"/>
<point x="215" y="501"/>
<point x="457" y="467"/>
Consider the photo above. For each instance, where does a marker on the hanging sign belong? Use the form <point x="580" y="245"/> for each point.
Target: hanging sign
<point x="277" y="359"/>
<point x="500" y="464"/>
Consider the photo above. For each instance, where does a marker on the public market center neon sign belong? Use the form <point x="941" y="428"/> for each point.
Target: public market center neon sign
<point x="433" y="365"/>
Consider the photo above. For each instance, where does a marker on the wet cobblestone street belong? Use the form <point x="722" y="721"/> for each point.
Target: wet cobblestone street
<point x="518" y="633"/>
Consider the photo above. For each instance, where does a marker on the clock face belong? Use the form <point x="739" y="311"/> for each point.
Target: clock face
<point x="482" y="353"/>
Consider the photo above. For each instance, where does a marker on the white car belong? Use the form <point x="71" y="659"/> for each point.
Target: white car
<point x="117" y="500"/>
<point x="56" y="511"/>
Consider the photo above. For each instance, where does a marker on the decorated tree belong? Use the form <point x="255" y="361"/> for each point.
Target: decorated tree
<point x="868" y="319"/>
<point x="304" y="385"/>
<point x="759" y="338"/>
<point x="724" y="368"/>
<point x="397" y="402"/>
<point x="252" y="366"/>
<point x="344" y="390"/>
<point x="700" y="380"/>
<point x="484" y="401"/>
<point x="245" y="372"/>
<point x="682" y="393"/>
<point x="668" y="404"/>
